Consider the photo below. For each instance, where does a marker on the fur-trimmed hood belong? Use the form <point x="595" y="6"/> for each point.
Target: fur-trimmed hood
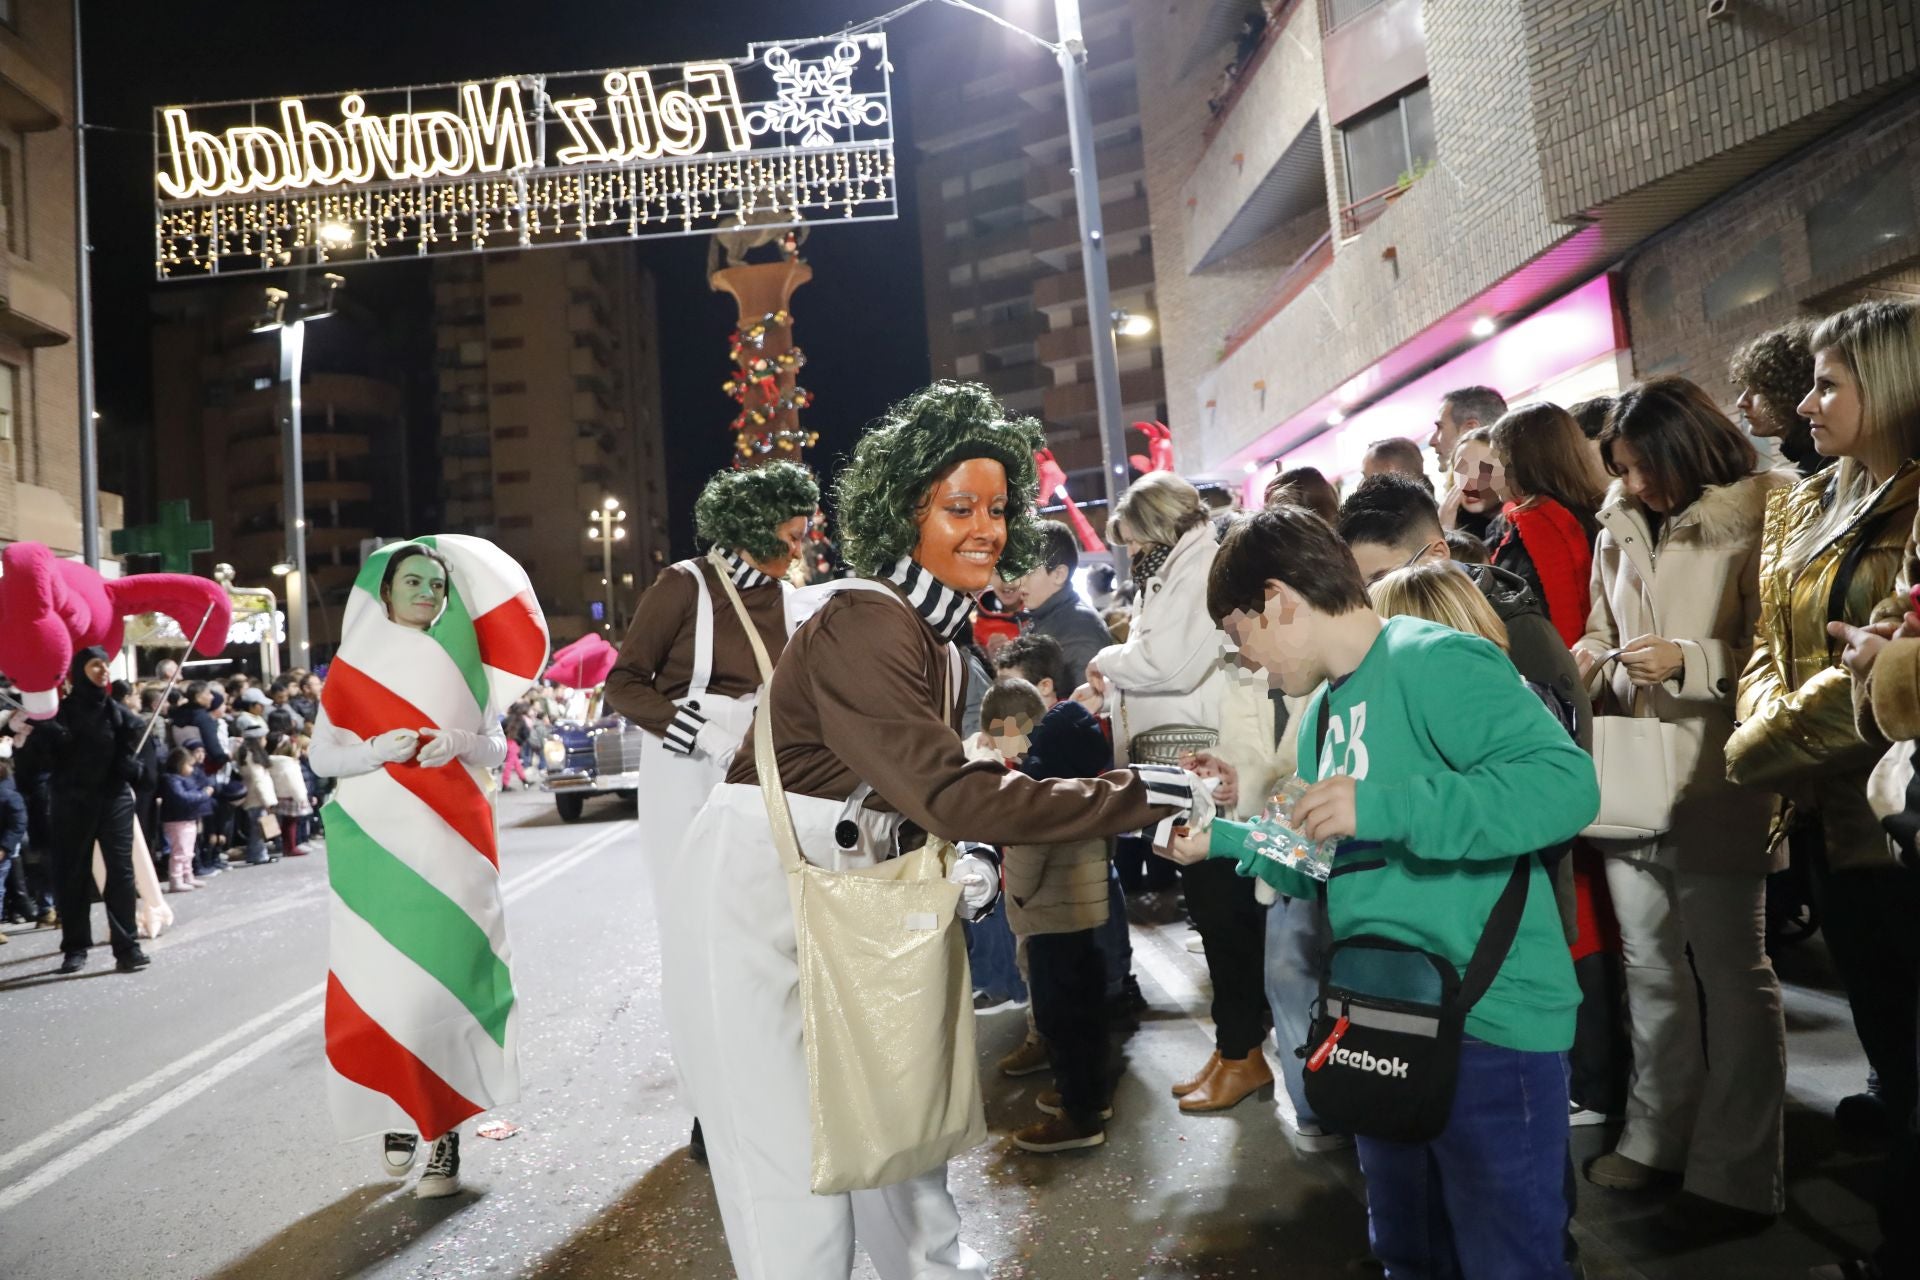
<point x="1724" y="514"/>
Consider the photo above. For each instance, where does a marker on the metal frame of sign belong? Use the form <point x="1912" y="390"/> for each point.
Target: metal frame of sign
<point x="793" y="133"/>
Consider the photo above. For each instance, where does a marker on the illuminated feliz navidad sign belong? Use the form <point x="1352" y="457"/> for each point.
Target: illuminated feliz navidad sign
<point x="792" y="133"/>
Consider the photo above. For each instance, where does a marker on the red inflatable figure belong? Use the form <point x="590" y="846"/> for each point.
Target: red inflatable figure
<point x="584" y="664"/>
<point x="50" y="608"/>
<point x="1159" y="454"/>
<point x="1053" y="484"/>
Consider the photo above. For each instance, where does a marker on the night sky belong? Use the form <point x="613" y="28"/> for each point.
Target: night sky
<point x="861" y="320"/>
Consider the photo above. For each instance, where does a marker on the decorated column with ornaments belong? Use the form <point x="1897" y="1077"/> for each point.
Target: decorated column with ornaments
<point x="765" y="361"/>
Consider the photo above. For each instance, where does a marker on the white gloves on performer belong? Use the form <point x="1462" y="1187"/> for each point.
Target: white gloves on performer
<point x="395" y="746"/>
<point x="717" y="743"/>
<point x="977" y="872"/>
<point x="1172" y="786"/>
<point x="440" y="747"/>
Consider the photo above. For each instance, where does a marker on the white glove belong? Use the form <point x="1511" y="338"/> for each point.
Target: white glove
<point x="716" y="742"/>
<point x="395" y="746"/>
<point x="441" y="747"/>
<point x="980" y="747"/>
<point x="979" y="882"/>
<point x="1171" y="786"/>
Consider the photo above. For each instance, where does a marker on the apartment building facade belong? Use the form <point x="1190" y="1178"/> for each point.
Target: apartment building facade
<point x="39" y="371"/>
<point x="219" y="445"/>
<point x="1395" y="198"/>
<point x="549" y="403"/>
<point x="1006" y="303"/>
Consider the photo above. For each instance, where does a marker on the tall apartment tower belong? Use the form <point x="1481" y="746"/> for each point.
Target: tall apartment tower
<point x="39" y="378"/>
<point x="1000" y="233"/>
<point x="550" y="404"/>
<point x="215" y="396"/>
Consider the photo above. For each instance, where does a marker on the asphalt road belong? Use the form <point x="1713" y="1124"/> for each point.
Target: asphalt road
<point x="173" y="1123"/>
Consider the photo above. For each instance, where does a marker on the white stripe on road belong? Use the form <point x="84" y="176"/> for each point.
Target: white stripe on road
<point x="169" y="1102"/>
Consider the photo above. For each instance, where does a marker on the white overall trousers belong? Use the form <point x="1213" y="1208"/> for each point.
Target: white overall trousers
<point x="730" y="984"/>
<point x="673" y="787"/>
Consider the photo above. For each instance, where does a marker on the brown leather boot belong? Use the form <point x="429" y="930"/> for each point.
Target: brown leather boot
<point x="1186" y="1087"/>
<point x="1236" y="1078"/>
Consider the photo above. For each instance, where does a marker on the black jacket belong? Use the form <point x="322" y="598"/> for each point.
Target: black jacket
<point x="1533" y="644"/>
<point x="88" y="745"/>
<point x="1077" y="628"/>
<point x="189" y="716"/>
<point x="13" y="818"/>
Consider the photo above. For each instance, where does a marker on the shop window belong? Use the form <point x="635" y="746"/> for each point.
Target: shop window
<point x="1861" y="218"/>
<point x="1755" y="276"/>
<point x="1390" y="145"/>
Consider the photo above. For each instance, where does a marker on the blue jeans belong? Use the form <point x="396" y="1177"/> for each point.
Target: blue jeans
<point x="1297" y="942"/>
<point x="990" y="955"/>
<point x="1488" y="1198"/>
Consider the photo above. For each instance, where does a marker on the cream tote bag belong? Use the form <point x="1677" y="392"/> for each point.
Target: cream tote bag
<point x="1635" y="759"/>
<point x="885" y="996"/>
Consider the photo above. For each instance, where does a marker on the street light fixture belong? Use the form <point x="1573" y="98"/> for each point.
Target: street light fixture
<point x="607" y="527"/>
<point x="285" y="315"/>
<point x="336" y="235"/>
<point x="1127" y="324"/>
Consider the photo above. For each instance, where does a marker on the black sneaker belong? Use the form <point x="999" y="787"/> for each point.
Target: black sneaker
<point x="133" y="962"/>
<point x="442" y="1177"/>
<point x="74" y="962"/>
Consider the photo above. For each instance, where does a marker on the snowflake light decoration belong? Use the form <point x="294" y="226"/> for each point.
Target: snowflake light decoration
<point x="816" y="97"/>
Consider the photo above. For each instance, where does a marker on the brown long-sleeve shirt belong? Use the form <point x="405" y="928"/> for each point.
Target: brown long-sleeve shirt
<point x="656" y="658"/>
<point x="856" y="697"/>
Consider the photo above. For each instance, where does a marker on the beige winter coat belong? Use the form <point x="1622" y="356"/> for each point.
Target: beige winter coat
<point x="1698" y="585"/>
<point x="1056" y="888"/>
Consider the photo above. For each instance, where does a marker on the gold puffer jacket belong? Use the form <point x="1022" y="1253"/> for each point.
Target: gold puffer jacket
<point x="1795" y="732"/>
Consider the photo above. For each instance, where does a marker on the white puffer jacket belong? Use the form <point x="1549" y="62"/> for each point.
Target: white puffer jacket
<point x="1172" y="667"/>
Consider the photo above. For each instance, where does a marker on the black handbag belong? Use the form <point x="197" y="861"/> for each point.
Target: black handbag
<point x="1383" y="1048"/>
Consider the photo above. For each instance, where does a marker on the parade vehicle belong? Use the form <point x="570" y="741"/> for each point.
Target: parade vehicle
<point x="596" y="754"/>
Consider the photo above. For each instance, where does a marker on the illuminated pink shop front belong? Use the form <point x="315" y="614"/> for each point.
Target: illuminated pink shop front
<point x="1570" y="350"/>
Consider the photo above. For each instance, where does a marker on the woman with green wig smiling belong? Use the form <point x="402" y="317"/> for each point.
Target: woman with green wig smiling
<point x="863" y="710"/>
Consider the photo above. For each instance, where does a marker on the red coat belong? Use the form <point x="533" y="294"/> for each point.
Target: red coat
<point x="1546" y="544"/>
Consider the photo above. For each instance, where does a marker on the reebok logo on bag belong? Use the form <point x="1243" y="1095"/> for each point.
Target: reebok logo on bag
<point x="1395" y="1067"/>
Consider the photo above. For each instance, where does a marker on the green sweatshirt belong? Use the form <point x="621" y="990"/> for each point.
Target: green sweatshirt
<point x="1460" y="768"/>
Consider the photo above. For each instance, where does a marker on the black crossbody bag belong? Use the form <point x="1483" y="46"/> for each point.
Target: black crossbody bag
<point x="1383" y="1047"/>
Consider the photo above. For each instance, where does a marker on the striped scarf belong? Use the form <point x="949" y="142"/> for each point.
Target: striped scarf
<point x="743" y="574"/>
<point x="939" y="605"/>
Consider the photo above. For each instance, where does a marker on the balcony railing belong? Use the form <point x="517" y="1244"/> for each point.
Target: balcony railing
<point x="1291" y="284"/>
<point x="1354" y="217"/>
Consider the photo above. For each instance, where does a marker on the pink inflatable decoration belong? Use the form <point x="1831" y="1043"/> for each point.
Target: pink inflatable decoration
<point x="50" y="608"/>
<point x="584" y="663"/>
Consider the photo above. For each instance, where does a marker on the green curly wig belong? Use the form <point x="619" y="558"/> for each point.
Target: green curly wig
<point x="882" y="489"/>
<point x="739" y="510"/>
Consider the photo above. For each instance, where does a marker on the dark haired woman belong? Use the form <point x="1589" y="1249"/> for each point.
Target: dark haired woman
<point x="1676" y="585"/>
<point x="686" y="672"/>
<point x="422" y="1023"/>
<point x="863" y="710"/>
<point x="1773" y="372"/>
<point x="1546" y="535"/>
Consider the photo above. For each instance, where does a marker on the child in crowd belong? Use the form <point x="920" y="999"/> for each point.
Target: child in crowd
<point x="1056" y="897"/>
<point x="1439" y="772"/>
<point x="186" y="796"/>
<point x="251" y="762"/>
<point x="291" y="804"/>
<point x="13" y="835"/>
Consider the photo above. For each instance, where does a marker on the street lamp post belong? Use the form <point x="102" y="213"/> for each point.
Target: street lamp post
<point x="83" y="317"/>
<point x="608" y="527"/>
<point x="286" y="317"/>
<point x="1072" y="57"/>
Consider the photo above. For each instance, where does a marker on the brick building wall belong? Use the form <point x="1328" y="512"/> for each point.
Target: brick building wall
<point x="1668" y="283"/>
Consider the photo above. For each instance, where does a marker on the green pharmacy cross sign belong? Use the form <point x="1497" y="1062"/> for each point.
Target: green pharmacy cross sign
<point x="174" y="539"/>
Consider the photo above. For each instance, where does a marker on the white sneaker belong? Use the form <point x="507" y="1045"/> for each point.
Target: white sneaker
<point x="1311" y="1139"/>
<point x="397" y="1152"/>
<point x="1196" y="945"/>
<point x="442" y="1177"/>
<point x="1579" y="1117"/>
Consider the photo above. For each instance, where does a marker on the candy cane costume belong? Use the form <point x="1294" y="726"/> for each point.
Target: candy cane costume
<point x="421" y="1019"/>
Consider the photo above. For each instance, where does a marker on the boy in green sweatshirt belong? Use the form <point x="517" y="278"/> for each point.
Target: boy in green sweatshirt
<point x="1435" y="767"/>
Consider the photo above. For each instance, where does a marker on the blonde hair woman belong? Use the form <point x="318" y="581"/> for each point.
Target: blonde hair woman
<point x="1171" y="671"/>
<point x="1439" y="592"/>
<point x="1830" y="551"/>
